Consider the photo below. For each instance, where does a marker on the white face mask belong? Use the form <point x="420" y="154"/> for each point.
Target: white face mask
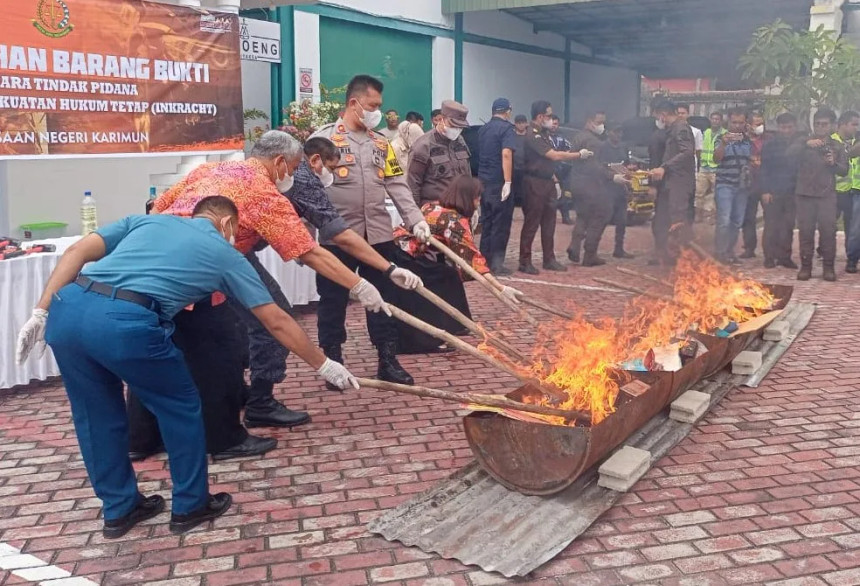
<point x="599" y="129"/>
<point x="660" y="124"/>
<point x="476" y="217"/>
<point x="326" y="176"/>
<point x="759" y="130"/>
<point x="285" y="184"/>
<point x="452" y="133"/>
<point x="232" y="238"/>
<point x="547" y="123"/>
<point x="370" y="119"/>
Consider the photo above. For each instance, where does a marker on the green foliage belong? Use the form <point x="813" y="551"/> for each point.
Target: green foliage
<point x="253" y="114"/>
<point x="810" y="68"/>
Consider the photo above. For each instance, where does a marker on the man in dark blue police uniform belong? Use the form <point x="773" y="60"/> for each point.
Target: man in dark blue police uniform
<point x="497" y="142"/>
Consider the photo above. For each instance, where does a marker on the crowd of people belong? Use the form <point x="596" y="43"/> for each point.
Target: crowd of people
<point x="176" y="305"/>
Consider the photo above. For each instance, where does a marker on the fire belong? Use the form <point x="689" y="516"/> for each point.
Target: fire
<point x="583" y="359"/>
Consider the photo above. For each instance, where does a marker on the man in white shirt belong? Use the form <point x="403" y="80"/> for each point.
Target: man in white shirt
<point x="699" y="139"/>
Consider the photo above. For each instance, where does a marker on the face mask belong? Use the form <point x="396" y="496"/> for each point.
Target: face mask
<point x="370" y="119"/>
<point x="476" y="217"/>
<point x="326" y="176"/>
<point x="452" y="133"/>
<point x="547" y="124"/>
<point x="285" y="184"/>
<point x="599" y="129"/>
<point x="232" y="238"/>
<point x="759" y="130"/>
<point x="660" y="124"/>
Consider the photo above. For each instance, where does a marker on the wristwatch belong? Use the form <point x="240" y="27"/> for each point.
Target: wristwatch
<point x="391" y="269"/>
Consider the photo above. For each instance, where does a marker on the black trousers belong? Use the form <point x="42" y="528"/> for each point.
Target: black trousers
<point x="820" y="213"/>
<point x="750" y="225"/>
<point x="671" y="210"/>
<point x="267" y="356"/>
<point x="593" y="214"/>
<point x="539" y="212"/>
<point x="619" y="217"/>
<point x="331" y="312"/>
<point x="496" y="217"/>
<point x="845" y="210"/>
<point x="209" y="339"/>
<point x="778" y="236"/>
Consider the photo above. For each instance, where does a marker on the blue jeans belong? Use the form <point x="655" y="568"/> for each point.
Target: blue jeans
<point x="731" y="202"/>
<point x="853" y="244"/>
<point x="99" y="342"/>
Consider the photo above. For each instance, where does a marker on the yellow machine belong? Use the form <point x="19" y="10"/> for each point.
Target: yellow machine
<point x="640" y="181"/>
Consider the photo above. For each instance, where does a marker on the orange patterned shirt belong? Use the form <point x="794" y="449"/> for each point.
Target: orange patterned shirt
<point x="263" y="211"/>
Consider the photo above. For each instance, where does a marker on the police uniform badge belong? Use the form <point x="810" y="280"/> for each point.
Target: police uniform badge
<point x="392" y="165"/>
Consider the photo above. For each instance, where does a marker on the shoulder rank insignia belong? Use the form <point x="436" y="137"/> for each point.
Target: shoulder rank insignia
<point x="341" y="128"/>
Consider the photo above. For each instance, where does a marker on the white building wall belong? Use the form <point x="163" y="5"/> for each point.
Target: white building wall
<point x="490" y="73"/>
<point x="307" y="48"/>
<point x="443" y="70"/>
<point x="595" y="87"/>
<point x="425" y="11"/>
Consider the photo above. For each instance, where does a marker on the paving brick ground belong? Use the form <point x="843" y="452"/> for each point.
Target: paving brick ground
<point x="766" y="489"/>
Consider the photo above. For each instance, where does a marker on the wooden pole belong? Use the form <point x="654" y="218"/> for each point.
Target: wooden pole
<point x="468" y="323"/>
<point x="546" y="307"/>
<point x="645" y="276"/>
<point x="467" y="268"/>
<point x="632" y="289"/>
<point x="497" y="401"/>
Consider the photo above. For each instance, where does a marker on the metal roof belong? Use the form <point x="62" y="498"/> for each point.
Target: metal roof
<point x="659" y="38"/>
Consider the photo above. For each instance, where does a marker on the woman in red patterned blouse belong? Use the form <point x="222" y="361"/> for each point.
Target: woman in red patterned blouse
<point x="450" y="223"/>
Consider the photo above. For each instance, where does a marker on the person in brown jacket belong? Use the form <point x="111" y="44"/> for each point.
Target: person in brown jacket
<point x="676" y="178"/>
<point x="820" y="159"/>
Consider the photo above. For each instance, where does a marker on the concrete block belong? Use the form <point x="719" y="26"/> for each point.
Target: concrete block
<point x="690" y="406"/>
<point x="746" y="362"/>
<point x="777" y="331"/>
<point x="624" y="468"/>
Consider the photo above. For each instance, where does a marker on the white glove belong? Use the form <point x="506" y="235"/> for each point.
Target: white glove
<point x="585" y="154"/>
<point x="620" y="179"/>
<point x="558" y="190"/>
<point x="506" y="191"/>
<point x="512" y="294"/>
<point x="421" y="231"/>
<point x="369" y="297"/>
<point x="406" y="279"/>
<point x="337" y="374"/>
<point x="31" y="336"/>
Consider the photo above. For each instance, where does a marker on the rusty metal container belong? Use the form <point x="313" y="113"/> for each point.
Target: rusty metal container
<point x="541" y="459"/>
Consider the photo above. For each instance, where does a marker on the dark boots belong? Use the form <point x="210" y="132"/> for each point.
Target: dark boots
<point x="262" y="410"/>
<point x="389" y="368"/>
<point x="851" y="266"/>
<point x="805" y="272"/>
<point x="592" y="260"/>
<point x="829" y="272"/>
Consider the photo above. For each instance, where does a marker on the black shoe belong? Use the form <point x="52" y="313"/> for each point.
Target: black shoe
<point x="788" y="263"/>
<point x="654" y="262"/>
<point x="621" y="253"/>
<point x="554" y="265"/>
<point x="829" y="273"/>
<point x="389" y="368"/>
<point x="274" y="414"/>
<point x="573" y="255"/>
<point x="805" y="273"/>
<point x="592" y="260"/>
<point x="147" y="508"/>
<point x="748" y="254"/>
<point x="567" y="221"/>
<point x="334" y="353"/>
<point x="141" y="455"/>
<point x="731" y="261"/>
<point x="502" y="271"/>
<point x="528" y="269"/>
<point x="252" y="446"/>
<point x="217" y="506"/>
<point x="851" y="267"/>
<point x="769" y="263"/>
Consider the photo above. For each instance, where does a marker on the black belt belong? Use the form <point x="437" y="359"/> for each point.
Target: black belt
<point x="114" y="293"/>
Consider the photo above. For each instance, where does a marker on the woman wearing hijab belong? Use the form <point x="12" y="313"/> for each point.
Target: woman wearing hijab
<point x="407" y="133"/>
<point x="450" y="221"/>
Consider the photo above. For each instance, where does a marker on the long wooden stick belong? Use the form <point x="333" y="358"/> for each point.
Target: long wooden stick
<point x="701" y="251"/>
<point x="497" y="401"/>
<point x="645" y="276"/>
<point x="632" y="289"/>
<point x="467" y="268"/>
<point x="468" y="323"/>
<point x="545" y="307"/>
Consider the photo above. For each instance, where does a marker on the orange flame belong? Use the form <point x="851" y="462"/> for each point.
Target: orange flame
<point x="583" y="359"/>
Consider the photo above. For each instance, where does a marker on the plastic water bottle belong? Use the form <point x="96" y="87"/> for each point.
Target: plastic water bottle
<point x="153" y="193"/>
<point x="89" y="214"/>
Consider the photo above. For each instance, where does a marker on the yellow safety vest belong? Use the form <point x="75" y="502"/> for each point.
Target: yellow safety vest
<point x="852" y="180"/>
<point x="708" y="149"/>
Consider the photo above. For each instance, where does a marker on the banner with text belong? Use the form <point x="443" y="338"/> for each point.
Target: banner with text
<point x="96" y="77"/>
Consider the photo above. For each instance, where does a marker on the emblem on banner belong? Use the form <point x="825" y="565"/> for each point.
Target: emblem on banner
<point x="52" y="18"/>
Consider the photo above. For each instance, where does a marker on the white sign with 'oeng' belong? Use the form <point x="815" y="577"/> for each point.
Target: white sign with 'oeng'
<point x="260" y="40"/>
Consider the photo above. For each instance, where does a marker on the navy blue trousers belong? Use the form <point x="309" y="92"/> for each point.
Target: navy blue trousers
<point x="100" y="342"/>
<point x="496" y="217"/>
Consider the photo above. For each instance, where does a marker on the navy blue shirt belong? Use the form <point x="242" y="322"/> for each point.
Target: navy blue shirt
<point x="176" y="261"/>
<point x="493" y="137"/>
<point x="309" y="198"/>
<point x="736" y="162"/>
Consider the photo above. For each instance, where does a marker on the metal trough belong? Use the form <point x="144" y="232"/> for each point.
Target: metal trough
<point x="541" y="459"/>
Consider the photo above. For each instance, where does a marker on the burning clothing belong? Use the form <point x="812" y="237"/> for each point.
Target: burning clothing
<point x="450" y="228"/>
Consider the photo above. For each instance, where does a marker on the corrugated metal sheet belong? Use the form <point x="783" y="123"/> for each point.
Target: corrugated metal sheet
<point x="452" y="6"/>
<point x="472" y="518"/>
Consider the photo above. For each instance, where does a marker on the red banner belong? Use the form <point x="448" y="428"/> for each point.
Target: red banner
<point x="95" y="77"/>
